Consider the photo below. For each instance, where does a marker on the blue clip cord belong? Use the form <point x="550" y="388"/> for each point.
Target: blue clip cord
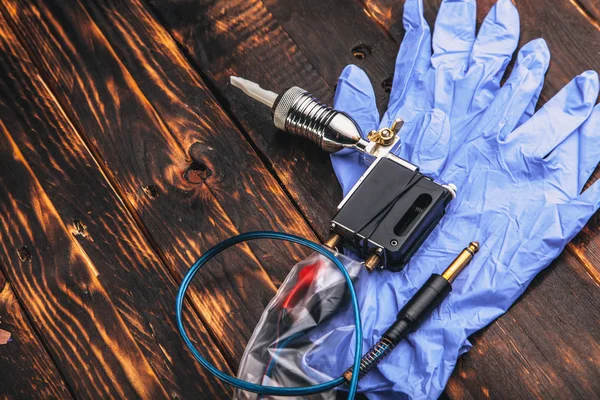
<point x="253" y="387"/>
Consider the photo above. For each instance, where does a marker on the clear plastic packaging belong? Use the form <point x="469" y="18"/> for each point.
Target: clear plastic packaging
<point x="313" y="292"/>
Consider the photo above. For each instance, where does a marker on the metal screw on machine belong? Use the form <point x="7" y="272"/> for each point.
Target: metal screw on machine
<point x="392" y="208"/>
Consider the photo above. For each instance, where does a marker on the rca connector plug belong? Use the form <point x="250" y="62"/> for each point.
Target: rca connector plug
<point x="418" y="308"/>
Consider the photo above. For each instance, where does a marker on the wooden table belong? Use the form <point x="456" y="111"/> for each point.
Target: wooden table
<point x="125" y="153"/>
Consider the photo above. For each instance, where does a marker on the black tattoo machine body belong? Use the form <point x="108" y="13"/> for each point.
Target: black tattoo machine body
<point x="392" y="208"/>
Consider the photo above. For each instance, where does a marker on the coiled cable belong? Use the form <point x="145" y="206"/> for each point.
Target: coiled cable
<point x="253" y="387"/>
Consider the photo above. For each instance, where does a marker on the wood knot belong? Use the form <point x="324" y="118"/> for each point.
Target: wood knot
<point x="361" y="51"/>
<point x="151" y="191"/>
<point x="386" y="84"/>
<point x="196" y="173"/>
<point x="24" y="253"/>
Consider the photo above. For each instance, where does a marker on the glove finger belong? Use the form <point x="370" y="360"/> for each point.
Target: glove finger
<point x="496" y="42"/>
<point x="579" y="210"/>
<point x="587" y="203"/>
<point x="355" y="97"/>
<point x="516" y="97"/>
<point x="533" y="61"/>
<point x="542" y="48"/>
<point x="454" y="34"/>
<point x="413" y="60"/>
<point x="530" y="110"/>
<point x="572" y="162"/>
<point x="560" y="117"/>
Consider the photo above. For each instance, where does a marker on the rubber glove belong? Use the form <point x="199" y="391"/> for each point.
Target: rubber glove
<point x="443" y="92"/>
<point x="519" y="180"/>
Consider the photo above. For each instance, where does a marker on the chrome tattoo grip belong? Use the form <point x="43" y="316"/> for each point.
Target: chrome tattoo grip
<point x="299" y="113"/>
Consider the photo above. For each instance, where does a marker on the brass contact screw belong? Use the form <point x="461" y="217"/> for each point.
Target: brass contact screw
<point x="418" y="308"/>
<point x="333" y="241"/>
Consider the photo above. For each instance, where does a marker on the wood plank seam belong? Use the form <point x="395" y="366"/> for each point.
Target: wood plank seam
<point x="222" y="101"/>
<point x="588" y="267"/>
<point x="63" y="226"/>
<point x="31" y="321"/>
<point x="520" y="356"/>
<point x="587" y="14"/>
<point x="229" y="220"/>
<point x="523" y="359"/>
<point x="131" y="211"/>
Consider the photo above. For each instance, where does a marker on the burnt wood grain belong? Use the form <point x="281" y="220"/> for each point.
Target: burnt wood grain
<point x="243" y="38"/>
<point x="25" y="365"/>
<point x="346" y="35"/>
<point x="137" y="156"/>
<point x="590" y="9"/>
<point x="60" y="288"/>
<point x="180" y="166"/>
<point x="98" y="293"/>
<point x="546" y="346"/>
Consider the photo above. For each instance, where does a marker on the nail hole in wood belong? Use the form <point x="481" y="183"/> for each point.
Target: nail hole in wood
<point x="79" y="228"/>
<point x="386" y="84"/>
<point x="361" y="51"/>
<point x="24" y="253"/>
<point x="196" y="173"/>
<point x="151" y="191"/>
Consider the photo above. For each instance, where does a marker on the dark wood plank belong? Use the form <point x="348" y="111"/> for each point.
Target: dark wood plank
<point x="243" y="38"/>
<point x="205" y="183"/>
<point x="98" y="293"/>
<point x="62" y="292"/>
<point x="345" y="35"/>
<point x="590" y="9"/>
<point x="546" y="346"/>
<point x="25" y="365"/>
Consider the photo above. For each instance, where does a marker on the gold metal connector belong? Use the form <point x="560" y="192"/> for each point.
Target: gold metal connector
<point x="460" y="262"/>
<point x="372" y="262"/>
<point x="333" y="241"/>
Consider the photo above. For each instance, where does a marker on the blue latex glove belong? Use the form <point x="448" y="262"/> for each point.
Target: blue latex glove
<point x="443" y="92"/>
<point x="519" y="181"/>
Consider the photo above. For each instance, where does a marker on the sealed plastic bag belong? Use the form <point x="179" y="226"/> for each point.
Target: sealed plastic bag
<point x="312" y="293"/>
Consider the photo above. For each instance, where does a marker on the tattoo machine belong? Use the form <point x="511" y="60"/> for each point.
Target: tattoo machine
<point x="392" y="208"/>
